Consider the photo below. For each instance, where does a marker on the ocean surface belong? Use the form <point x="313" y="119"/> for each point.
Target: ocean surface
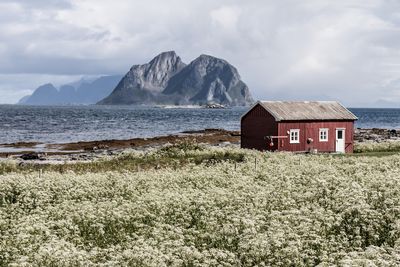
<point x="60" y="124"/>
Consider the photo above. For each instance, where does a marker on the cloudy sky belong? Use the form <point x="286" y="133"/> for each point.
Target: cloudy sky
<point x="284" y="49"/>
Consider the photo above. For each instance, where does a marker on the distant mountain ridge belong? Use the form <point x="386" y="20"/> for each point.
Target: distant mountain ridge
<point x="167" y="80"/>
<point x="85" y="92"/>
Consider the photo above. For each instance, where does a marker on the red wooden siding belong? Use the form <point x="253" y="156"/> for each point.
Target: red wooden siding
<point x="258" y="123"/>
<point x="255" y="125"/>
<point x="310" y="129"/>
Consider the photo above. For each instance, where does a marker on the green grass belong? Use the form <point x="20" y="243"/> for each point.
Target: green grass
<point x="174" y="156"/>
<point x="374" y="154"/>
<point x="375" y="147"/>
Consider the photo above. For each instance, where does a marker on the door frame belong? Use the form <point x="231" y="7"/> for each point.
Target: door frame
<point x="337" y="140"/>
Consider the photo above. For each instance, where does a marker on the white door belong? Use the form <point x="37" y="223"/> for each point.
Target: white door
<point x="340" y="140"/>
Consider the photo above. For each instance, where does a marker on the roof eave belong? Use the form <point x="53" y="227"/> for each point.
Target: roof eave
<point x="280" y="119"/>
<point x="261" y="104"/>
<point x="284" y="120"/>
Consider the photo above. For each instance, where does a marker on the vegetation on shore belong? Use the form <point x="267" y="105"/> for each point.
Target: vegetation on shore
<point x="371" y="146"/>
<point x="195" y="206"/>
<point x="173" y="156"/>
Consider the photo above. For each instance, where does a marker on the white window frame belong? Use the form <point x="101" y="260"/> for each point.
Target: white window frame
<point x="294" y="132"/>
<point x="326" y="130"/>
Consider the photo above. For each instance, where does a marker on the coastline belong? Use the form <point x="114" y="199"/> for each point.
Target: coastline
<point x="108" y="147"/>
<point x="88" y="150"/>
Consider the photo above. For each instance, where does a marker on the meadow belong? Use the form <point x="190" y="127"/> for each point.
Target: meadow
<point x="188" y="205"/>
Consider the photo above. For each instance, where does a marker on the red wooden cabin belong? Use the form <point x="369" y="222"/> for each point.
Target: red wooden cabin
<point x="307" y="126"/>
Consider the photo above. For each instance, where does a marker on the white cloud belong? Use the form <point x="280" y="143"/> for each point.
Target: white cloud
<point x="345" y="50"/>
<point x="226" y="17"/>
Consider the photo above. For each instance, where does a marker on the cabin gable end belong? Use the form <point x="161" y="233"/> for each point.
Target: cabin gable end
<point x="256" y="125"/>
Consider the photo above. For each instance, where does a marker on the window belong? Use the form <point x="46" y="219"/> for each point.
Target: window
<point x="323" y="135"/>
<point x="339" y="134"/>
<point x="294" y="136"/>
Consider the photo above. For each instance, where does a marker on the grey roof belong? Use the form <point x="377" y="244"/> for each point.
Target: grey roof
<point x="307" y="110"/>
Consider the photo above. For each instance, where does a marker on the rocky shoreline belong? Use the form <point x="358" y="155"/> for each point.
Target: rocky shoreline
<point x="376" y="135"/>
<point x="84" y="151"/>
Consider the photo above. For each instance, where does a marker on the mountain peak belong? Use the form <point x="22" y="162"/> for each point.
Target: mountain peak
<point x="204" y="57"/>
<point x="166" y="60"/>
<point x="165" y="56"/>
<point x="85" y="92"/>
<point x="167" y="80"/>
<point x="47" y="87"/>
<point x="209" y="79"/>
<point x="207" y="56"/>
<point x="207" y="62"/>
<point x="152" y="76"/>
<point x="171" y="53"/>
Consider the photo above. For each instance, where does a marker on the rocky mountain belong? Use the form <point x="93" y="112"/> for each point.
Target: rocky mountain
<point x="143" y="84"/>
<point x="209" y="79"/>
<point x="42" y="95"/>
<point x="23" y="100"/>
<point x="94" y="91"/>
<point x="167" y="80"/>
<point x="85" y="92"/>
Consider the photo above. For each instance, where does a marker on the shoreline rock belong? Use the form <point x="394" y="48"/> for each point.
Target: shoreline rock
<point x="376" y="135"/>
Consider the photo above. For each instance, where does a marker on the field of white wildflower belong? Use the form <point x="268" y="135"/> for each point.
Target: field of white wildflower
<point x="292" y="210"/>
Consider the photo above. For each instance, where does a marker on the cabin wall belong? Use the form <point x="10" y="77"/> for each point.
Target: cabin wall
<point x="310" y="129"/>
<point x="255" y="125"/>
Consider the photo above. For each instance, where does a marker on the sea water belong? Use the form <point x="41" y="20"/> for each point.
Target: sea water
<point x="60" y="124"/>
